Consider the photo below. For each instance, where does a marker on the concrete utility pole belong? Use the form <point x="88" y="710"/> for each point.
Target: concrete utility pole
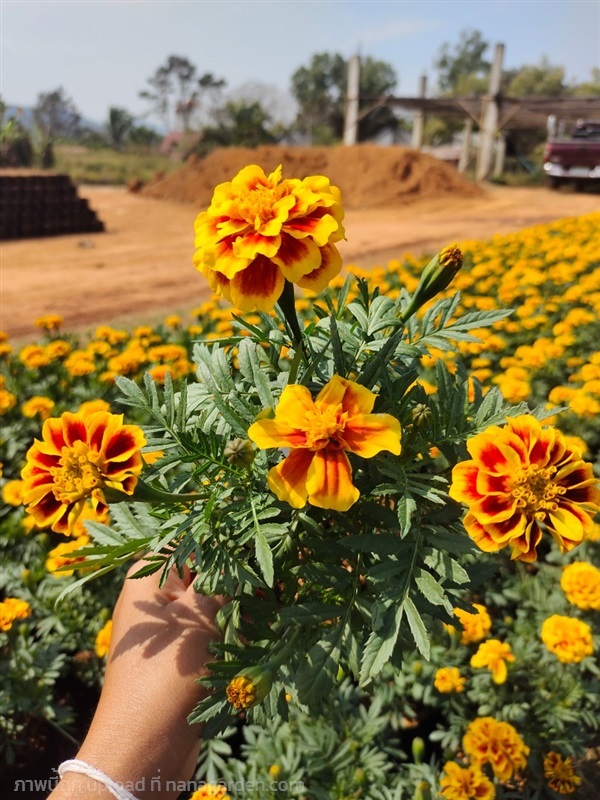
<point x="465" y="151"/>
<point x="491" y="113"/>
<point x="419" y="117"/>
<point x="352" y="101"/>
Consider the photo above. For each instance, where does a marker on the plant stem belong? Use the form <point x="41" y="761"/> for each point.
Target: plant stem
<point x="287" y="305"/>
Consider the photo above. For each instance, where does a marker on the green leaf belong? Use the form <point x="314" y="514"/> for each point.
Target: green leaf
<point x="431" y="589"/>
<point x="381" y="643"/>
<point x="264" y="556"/>
<point x="417" y="628"/>
<point x="407" y="506"/>
<point x="316" y="675"/>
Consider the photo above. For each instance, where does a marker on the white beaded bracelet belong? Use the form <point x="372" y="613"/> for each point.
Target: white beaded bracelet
<point x="76" y="765"/>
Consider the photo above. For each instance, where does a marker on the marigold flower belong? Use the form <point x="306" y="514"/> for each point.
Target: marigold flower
<point x="448" y="680"/>
<point x="568" y="638"/>
<point x="493" y="654"/>
<point x="65" y="554"/>
<point x="210" y="791"/>
<point x="49" y="322"/>
<point x="12" y="493"/>
<point x="475" y="626"/>
<point x="560" y="774"/>
<point x="7" y="401"/>
<point x="37" y="406"/>
<point x="12" y="608"/>
<point x="488" y="741"/>
<point x="522" y="477"/>
<point x="34" y="356"/>
<point x="91" y="406"/>
<point x="319" y="432"/>
<point x="79" y="456"/>
<point x="580" y="582"/>
<point x="103" y="637"/>
<point x="465" y="783"/>
<point x="260" y="231"/>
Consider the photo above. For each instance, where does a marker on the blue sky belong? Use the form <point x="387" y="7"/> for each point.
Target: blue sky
<point x="103" y="51"/>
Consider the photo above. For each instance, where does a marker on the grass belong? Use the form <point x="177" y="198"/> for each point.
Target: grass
<point x="109" y="167"/>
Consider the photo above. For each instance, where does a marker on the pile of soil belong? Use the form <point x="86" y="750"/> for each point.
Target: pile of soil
<point x="368" y="176"/>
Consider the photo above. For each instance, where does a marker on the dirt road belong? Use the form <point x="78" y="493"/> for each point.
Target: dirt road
<point x="140" y="268"/>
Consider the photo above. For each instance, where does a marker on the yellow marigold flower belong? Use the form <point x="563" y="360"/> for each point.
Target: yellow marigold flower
<point x="7" y="401"/>
<point x="80" y="363"/>
<point x="12" y="608"/>
<point x="103" y="636"/>
<point x="560" y="774"/>
<point x="34" y="356"/>
<point x="49" y="322"/>
<point x="91" y="406"/>
<point x="319" y="432"/>
<point x="580" y="582"/>
<point x="448" y="680"/>
<point x="568" y="638"/>
<point x="173" y="321"/>
<point x="37" y="406"/>
<point x="522" y="477"/>
<point x="493" y="654"/>
<point x="12" y="493"/>
<point x="79" y="456"/>
<point x="250" y="687"/>
<point x="260" y="231"/>
<point x="152" y="457"/>
<point x="274" y="770"/>
<point x="488" y="741"/>
<point x="64" y="555"/>
<point x="475" y="626"/>
<point x="465" y="783"/>
<point x="210" y="791"/>
<point x="57" y="349"/>
<point x="110" y="335"/>
<point x="5" y="349"/>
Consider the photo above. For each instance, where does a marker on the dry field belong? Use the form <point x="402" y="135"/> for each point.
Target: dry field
<point x="141" y="267"/>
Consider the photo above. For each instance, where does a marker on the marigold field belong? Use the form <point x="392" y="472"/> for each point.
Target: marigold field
<point x="508" y="704"/>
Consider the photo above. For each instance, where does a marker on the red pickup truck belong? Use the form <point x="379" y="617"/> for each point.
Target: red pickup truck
<point x="576" y="159"/>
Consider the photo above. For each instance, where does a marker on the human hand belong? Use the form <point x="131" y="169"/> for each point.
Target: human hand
<point x="159" y="647"/>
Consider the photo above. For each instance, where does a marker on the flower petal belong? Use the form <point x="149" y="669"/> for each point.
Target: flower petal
<point x="288" y="479"/>
<point x="329" y="483"/>
<point x="274" y="433"/>
<point x="464" y="482"/>
<point x="259" y="286"/>
<point x="297" y="257"/>
<point x="330" y="266"/>
<point x="369" y="434"/>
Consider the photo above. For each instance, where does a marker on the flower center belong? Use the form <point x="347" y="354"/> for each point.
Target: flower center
<point x="535" y="491"/>
<point x="241" y="692"/>
<point x="322" y="427"/>
<point x="77" y="475"/>
<point x="256" y="205"/>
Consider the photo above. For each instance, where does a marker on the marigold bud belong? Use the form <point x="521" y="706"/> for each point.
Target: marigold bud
<point x="418" y="750"/>
<point x="421" y="415"/>
<point x="250" y="687"/>
<point x="436" y="276"/>
<point x="239" y="452"/>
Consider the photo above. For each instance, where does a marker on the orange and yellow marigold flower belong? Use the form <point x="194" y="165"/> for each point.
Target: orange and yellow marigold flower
<point x="11" y="609"/>
<point x="560" y="774"/>
<point x="488" y="741"/>
<point x="475" y="626"/>
<point x="78" y="457"/>
<point x="37" y="406"/>
<point x="102" y="643"/>
<point x="580" y="582"/>
<point x="319" y="433"/>
<point x="523" y="478"/>
<point x="568" y="638"/>
<point x="260" y="231"/>
<point x="465" y="783"/>
<point x="493" y="654"/>
<point x="211" y="791"/>
<point x="64" y="555"/>
<point x="448" y="680"/>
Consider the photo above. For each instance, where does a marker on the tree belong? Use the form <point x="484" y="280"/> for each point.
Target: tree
<point x="120" y="123"/>
<point x="142" y="136"/>
<point x="56" y="115"/>
<point x="589" y="88"/>
<point x="176" y="89"/>
<point x="320" y="90"/>
<point x="240" y="124"/>
<point x="462" y="69"/>
<point x="531" y="80"/>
